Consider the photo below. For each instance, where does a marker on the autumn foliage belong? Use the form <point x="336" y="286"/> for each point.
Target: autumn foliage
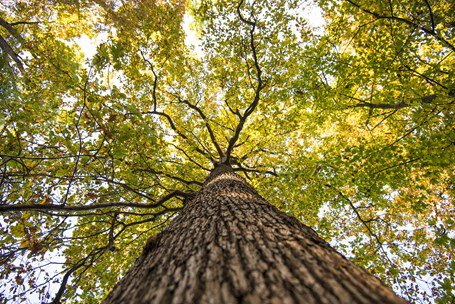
<point x="111" y="117"/>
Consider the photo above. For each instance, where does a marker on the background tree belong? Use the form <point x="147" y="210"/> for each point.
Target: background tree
<point x="354" y="123"/>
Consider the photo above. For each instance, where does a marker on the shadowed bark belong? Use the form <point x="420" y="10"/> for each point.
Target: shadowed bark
<point x="229" y="245"/>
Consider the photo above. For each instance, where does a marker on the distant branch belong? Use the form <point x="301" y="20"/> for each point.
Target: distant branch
<point x="168" y="117"/>
<point x="76" y="164"/>
<point x="155" y="80"/>
<point x="364" y="222"/>
<point x="411" y="160"/>
<point x="207" y="125"/>
<point x="235" y="112"/>
<point x="258" y="89"/>
<point x="243" y="169"/>
<point x="149" y="170"/>
<point x="110" y="11"/>
<point x="110" y="244"/>
<point x="191" y="159"/>
<point x="125" y="186"/>
<point x="431" y="32"/>
<point x="428" y="79"/>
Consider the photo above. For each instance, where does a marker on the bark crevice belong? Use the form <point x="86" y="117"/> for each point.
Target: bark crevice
<point x="229" y="245"/>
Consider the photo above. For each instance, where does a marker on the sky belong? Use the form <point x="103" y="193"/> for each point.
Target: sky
<point x="311" y="13"/>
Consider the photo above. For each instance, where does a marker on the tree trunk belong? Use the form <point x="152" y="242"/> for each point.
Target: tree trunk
<point x="229" y="245"/>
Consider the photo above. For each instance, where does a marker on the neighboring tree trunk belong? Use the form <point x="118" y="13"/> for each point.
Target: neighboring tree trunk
<point x="229" y="245"/>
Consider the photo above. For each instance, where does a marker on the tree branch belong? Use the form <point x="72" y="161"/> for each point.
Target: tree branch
<point x="24" y="22"/>
<point x="243" y="169"/>
<point x="149" y="170"/>
<point x="365" y="104"/>
<point x="259" y="87"/>
<point x="430" y="32"/>
<point x="9" y="27"/>
<point x="10" y="52"/>
<point x="207" y="125"/>
<point x="364" y="223"/>
<point x="55" y="207"/>
<point x="433" y="26"/>
<point x="155" y="80"/>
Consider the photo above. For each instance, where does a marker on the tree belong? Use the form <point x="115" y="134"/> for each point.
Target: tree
<point x="348" y="129"/>
<point x="231" y="246"/>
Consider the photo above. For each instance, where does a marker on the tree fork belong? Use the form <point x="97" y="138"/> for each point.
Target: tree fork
<point x="229" y="245"/>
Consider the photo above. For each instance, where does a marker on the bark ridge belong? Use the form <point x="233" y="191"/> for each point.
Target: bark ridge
<point x="229" y="245"/>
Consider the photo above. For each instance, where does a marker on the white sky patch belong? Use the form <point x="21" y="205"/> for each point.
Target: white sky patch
<point x="313" y="16"/>
<point x="192" y="40"/>
<point x="89" y="48"/>
<point x="89" y="45"/>
<point x="311" y="13"/>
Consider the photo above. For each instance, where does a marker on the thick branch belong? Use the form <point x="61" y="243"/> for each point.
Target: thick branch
<point x="25" y="23"/>
<point x="61" y="290"/>
<point x="54" y="207"/>
<point x="10" y="52"/>
<point x="396" y="106"/>
<point x="9" y="27"/>
<point x="433" y="25"/>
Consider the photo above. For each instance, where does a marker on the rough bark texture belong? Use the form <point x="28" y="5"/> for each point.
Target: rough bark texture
<point x="229" y="245"/>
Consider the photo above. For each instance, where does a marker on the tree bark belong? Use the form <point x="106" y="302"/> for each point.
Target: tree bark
<point x="229" y="245"/>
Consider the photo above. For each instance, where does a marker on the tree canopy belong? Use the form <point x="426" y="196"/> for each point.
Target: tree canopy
<point x="349" y="127"/>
